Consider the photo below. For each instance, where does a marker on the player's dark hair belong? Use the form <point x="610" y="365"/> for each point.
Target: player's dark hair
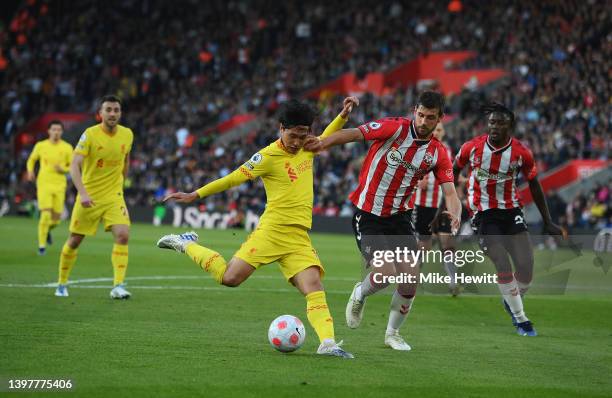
<point x="109" y="98"/>
<point x="295" y="113"/>
<point x="432" y="100"/>
<point x="55" y="121"/>
<point x="495" y="107"/>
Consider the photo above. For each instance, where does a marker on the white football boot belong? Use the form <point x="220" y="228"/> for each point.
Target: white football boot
<point x="61" y="291"/>
<point x="120" y="293"/>
<point x="354" y="309"/>
<point x="331" y="348"/>
<point x="395" y="341"/>
<point x="177" y="242"/>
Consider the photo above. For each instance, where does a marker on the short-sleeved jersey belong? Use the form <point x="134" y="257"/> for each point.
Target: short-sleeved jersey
<point x="394" y="164"/>
<point x="104" y="161"/>
<point x="288" y="181"/>
<point x="49" y="155"/>
<point x="492" y="172"/>
<point x="431" y="194"/>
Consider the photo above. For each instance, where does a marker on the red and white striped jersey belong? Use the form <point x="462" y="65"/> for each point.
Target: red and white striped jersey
<point x="431" y="194"/>
<point x="395" y="162"/>
<point x="493" y="172"/>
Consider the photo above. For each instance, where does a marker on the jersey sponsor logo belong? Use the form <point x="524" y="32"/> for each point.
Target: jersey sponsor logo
<point x="374" y="125"/>
<point x="513" y="166"/>
<point x="108" y="163"/>
<point x="304" y="166"/>
<point x="449" y="173"/>
<point x="257" y="158"/>
<point x="394" y="159"/>
<point x="249" y="166"/>
<point x="483" y="175"/>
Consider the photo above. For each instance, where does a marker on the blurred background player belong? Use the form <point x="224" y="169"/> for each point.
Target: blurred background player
<point x="424" y="204"/>
<point x="98" y="169"/>
<point x="495" y="160"/>
<point x="403" y="151"/>
<point x="54" y="156"/>
<point x="282" y="234"/>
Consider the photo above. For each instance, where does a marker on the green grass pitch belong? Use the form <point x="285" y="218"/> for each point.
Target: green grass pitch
<point x="181" y="335"/>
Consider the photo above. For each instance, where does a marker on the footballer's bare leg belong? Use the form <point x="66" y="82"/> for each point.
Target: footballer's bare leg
<point x="228" y="273"/>
<point x="521" y="251"/>
<point x="237" y="272"/>
<point x="447" y="244"/>
<point x="374" y="281"/>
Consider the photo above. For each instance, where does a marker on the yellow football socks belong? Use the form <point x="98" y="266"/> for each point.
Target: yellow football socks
<point x="43" y="227"/>
<point x="119" y="258"/>
<point x="209" y="260"/>
<point x="319" y="316"/>
<point x="67" y="260"/>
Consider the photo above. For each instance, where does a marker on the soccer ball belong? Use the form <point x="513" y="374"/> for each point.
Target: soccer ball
<point x="286" y="333"/>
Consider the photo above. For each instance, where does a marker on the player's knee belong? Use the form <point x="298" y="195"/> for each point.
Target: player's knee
<point x="122" y="238"/>
<point x="232" y="280"/>
<point x="74" y="241"/>
<point x="314" y="285"/>
<point x="523" y="276"/>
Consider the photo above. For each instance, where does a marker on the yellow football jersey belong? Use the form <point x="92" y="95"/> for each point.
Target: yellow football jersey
<point x="288" y="180"/>
<point x="104" y="161"/>
<point x="49" y="155"/>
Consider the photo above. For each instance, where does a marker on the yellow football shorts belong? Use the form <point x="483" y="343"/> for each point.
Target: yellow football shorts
<point x="51" y="198"/>
<point x="289" y="245"/>
<point x="85" y="220"/>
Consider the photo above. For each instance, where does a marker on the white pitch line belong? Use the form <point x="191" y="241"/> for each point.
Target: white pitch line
<point x="179" y="277"/>
<point x="213" y="288"/>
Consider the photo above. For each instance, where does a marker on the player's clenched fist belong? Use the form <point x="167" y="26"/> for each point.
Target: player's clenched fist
<point x="347" y="106"/>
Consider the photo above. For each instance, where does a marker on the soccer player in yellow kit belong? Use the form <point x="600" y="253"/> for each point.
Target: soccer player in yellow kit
<point x="54" y="156"/>
<point x="282" y="233"/>
<point x="98" y="168"/>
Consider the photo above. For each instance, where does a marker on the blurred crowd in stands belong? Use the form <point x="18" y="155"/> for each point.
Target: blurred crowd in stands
<point x="183" y="67"/>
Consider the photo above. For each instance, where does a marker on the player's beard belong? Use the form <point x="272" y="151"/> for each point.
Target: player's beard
<point x="426" y="136"/>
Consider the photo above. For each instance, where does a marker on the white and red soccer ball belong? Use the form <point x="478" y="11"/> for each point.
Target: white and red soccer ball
<point x="286" y="333"/>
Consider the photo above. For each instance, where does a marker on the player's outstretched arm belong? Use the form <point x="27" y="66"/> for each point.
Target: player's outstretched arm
<point x="453" y="205"/>
<point x="341" y="137"/>
<point x="538" y="197"/>
<point x="77" y="179"/>
<point x="231" y="180"/>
